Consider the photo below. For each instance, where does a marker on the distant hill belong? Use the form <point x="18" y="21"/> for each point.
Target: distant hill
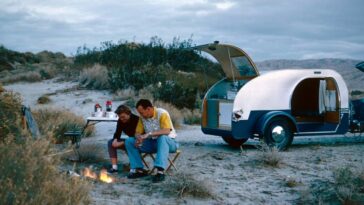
<point x="346" y="67"/>
<point x="10" y="60"/>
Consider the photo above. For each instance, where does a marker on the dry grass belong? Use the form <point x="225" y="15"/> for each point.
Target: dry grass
<point x="10" y="115"/>
<point x="269" y="155"/>
<point x="291" y="182"/>
<point x="125" y="94"/>
<point x="1" y="88"/>
<point x="95" y="77"/>
<point x="28" y="176"/>
<point x="146" y="92"/>
<point x="31" y="76"/>
<point x="191" y="117"/>
<point x="53" y="123"/>
<point x="349" y="185"/>
<point x="44" y="99"/>
<point x="175" y="114"/>
<point x="183" y="185"/>
<point x="91" y="153"/>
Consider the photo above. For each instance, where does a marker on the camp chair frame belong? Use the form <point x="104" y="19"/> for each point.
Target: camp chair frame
<point x="171" y="159"/>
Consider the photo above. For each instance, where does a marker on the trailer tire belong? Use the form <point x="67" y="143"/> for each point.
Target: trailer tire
<point x="278" y="133"/>
<point x="233" y="142"/>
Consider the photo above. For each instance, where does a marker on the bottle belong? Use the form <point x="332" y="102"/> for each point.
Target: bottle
<point x="108" y="106"/>
<point x="98" y="107"/>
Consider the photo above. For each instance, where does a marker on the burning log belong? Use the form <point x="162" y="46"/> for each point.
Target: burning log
<point x="104" y="176"/>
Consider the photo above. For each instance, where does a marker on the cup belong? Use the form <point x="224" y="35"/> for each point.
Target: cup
<point x="98" y="114"/>
<point x="110" y="115"/>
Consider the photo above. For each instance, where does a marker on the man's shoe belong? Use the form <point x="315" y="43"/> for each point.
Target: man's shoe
<point x="112" y="170"/>
<point x="134" y="175"/>
<point x="158" y="177"/>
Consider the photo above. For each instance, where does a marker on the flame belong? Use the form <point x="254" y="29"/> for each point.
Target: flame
<point x="105" y="177"/>
<point x="87" y="172"/>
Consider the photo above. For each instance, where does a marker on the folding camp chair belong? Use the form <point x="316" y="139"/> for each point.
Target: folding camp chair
<point x="171" y="159"/>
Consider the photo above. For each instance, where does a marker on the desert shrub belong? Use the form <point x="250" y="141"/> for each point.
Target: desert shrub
<point x="44" y="99"/>
<point x="269" y="155"/>
<point x="54" y="123"/>
<point x="139" y="65"/>
<point x="191" y="117"/>
<point x="175" y="114"/>
<point x="47" y="72"/>
<point x="95" y="77"/>
<point x="176" y="94"/>
<point x="124" y="94"/>
<point x="91" y="153"/>
<point x="291" y="182"/>
<point x="28" y="176"/>
<point x="182" y="185"/>
<point x="9" y="57"/>
<point x="146" y="93"/>
<point x="10" y="115"/>
<point x="131" y="103"/>
<point x="356" y="94"/>
<point x="349" y="185"/>
<point x="31" y="76"/>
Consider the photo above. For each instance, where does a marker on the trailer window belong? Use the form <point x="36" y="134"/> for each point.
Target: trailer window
<point x="243" y="65"/>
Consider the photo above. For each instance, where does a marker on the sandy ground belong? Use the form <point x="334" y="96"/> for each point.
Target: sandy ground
<point x="232" y="176"/>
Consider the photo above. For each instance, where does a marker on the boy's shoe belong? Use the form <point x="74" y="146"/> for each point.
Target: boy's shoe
<point x="112" y="170"/>
<point x="159" y="177"/>
<point x="134" y="175"/>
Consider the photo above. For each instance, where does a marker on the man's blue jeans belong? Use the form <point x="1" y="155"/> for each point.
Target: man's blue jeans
<point x="163" y="145"/>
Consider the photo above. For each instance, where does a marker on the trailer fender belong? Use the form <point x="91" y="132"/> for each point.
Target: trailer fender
<point x="264" y="120"/>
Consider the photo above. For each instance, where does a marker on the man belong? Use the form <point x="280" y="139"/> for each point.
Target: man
<point x="127" y="123"/>
<point x="154" y="134"/>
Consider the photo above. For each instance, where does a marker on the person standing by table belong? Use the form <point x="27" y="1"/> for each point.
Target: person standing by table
<point x="126" y="123"/>
<point x="154" y="133"/>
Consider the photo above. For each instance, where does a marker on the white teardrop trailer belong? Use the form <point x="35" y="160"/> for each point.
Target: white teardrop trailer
<point x="276" y="105"/>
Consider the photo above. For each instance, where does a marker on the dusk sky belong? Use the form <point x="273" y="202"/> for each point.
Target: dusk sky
<point x="265" y="29"/>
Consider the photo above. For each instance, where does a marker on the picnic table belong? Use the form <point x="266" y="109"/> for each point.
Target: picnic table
<point x="76" y="135"/>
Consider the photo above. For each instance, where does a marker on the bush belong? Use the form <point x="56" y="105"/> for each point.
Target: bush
<point x="44" y="99"/>
<point x="88" y="153"/>
<point x="30" y="76"/>
<point x="269" y="155"/>
<point x="138" y="65"/>
<point x="356" y="94"/>
<point x="8" y="57"/>
<point x="10" y="115"/>
<point x="56" y="122"/>
<point x="191" y="117"/>
<point x="176" y="94"/>
<point x="182" y="185"/>
<point x="175" y="114"/>
<point x="28" y="176"/>
<point x="124" y="94"/>
<point x="95" y="77"/>
<point x="349" y="185"/>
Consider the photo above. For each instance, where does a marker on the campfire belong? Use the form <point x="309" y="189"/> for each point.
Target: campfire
<point x="104" y="177"/>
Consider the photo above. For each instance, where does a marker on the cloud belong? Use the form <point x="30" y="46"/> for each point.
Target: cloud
<point x="224" y="5"/>
<point x="265" y="29"/>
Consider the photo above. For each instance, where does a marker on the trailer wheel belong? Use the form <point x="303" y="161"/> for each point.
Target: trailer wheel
<point x="233" y="142"/>
<point x="278" y="133"/>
